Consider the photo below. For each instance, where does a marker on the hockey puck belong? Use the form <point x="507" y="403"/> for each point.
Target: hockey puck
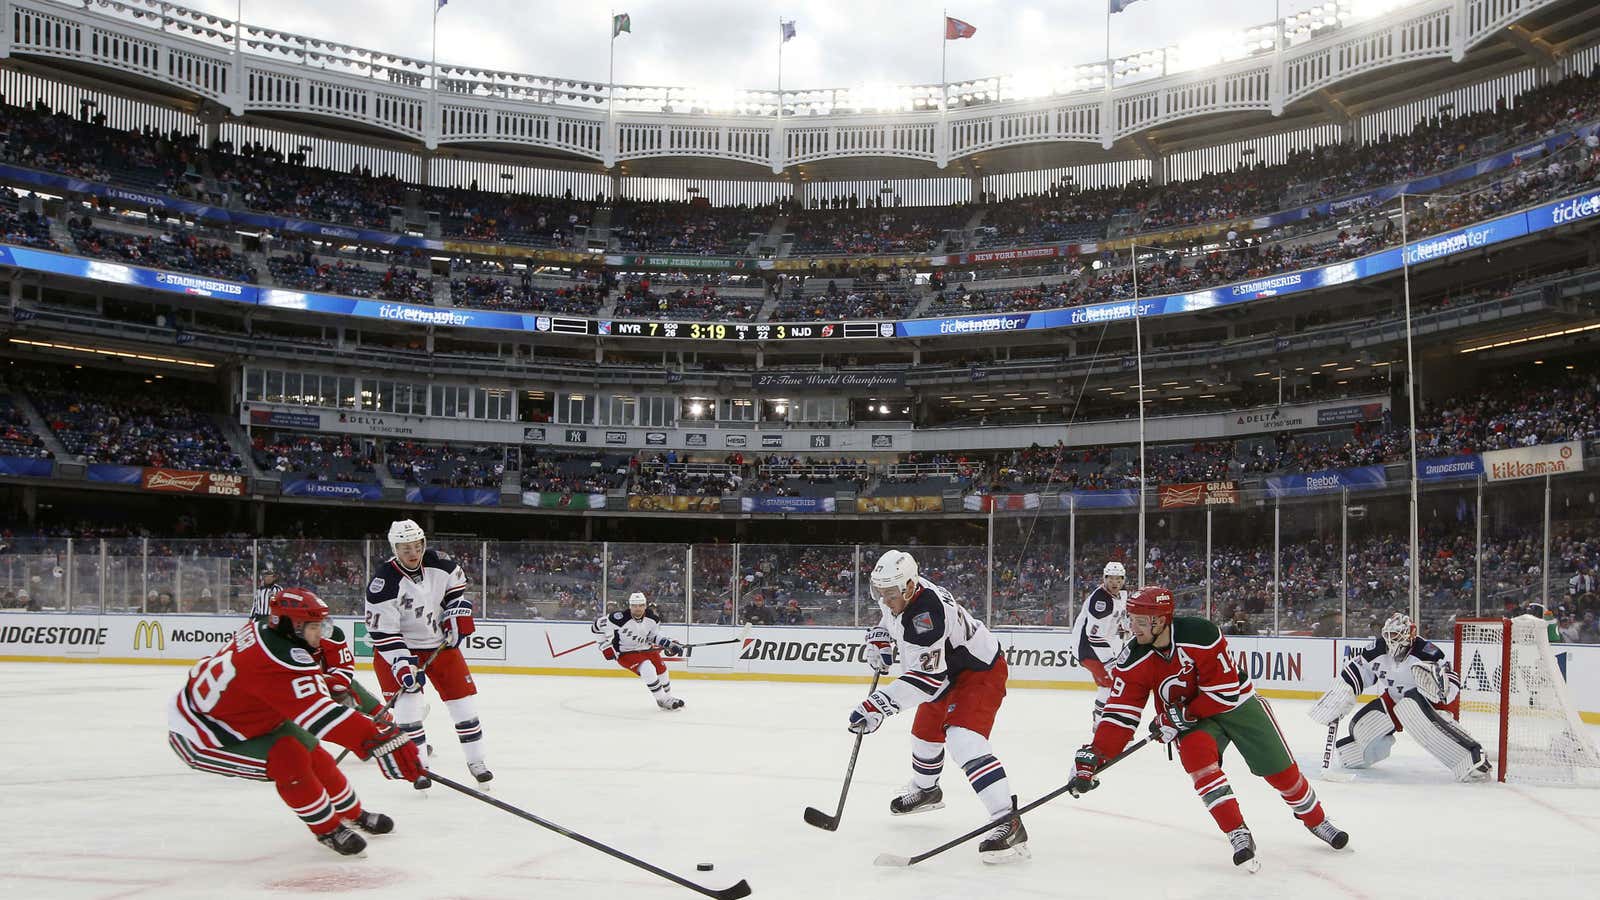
<point x="704" y="867"/>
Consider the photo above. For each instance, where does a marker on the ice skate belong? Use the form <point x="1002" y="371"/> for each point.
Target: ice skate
<point x="916" y="800"/>
<point x="480" y="771"/>
<point x="1006" y="843"/>
<point x="1331" y="834"/>
<point x="1244" y="849"/>
<point x="343" y="841"/>
<point x="373" y="823"/>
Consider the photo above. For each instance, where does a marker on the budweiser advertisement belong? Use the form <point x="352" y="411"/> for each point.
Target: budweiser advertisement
<point x="1204" y="493"/>
<point x="181" y="481"/>
<point x="1532" y="462"/>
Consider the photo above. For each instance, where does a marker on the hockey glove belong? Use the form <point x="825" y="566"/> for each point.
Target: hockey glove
<point x="396" y="754"/>
<point x="1178" y="721"/>
<point x="1085" y="763"/>
<point x="451" y="634"/>
<point x="880" y="649"/>
<point x="607" y="650"/>
<point x="408" y="675"/>
<point x="866" y="717"/>
<point x="672" y="648"/>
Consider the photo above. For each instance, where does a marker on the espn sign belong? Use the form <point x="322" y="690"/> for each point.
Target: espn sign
<point x="1209" y="493"/>
<point x="182" y="481"/>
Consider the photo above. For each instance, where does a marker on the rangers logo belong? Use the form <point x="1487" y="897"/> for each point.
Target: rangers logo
<point x="922" y="622"/>
<point x="827" y="331"/>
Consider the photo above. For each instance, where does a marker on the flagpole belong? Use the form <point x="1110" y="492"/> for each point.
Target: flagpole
<point x="780" y="74"/>
<point x="433" y="66"/>
<point x="944" y="49"/>
<point x="611" y="81"/>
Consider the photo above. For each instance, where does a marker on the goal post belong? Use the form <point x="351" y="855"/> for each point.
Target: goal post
<point x="1514" y="700"/>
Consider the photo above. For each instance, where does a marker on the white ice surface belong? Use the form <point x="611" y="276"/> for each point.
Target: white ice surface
<point x="95" y="805"/>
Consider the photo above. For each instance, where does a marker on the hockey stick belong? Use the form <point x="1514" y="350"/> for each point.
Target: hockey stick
<point x="742" y="889"/>
<point x="391" y="702"/>
<point x="890" y="859"/>
<point x="1329" y="773"/>
<point x="821" y="819"/>
<point x="744" y="635"/>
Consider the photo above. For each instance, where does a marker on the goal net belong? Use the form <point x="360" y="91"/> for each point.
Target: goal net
<point x="1514" y="700"/>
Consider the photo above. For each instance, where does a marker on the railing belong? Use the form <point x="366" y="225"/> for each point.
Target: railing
<point x="1333" y="565"/>
<point x="258" y="68"/>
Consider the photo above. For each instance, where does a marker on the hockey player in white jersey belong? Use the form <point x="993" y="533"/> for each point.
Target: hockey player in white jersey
<point x="633" y="641"/>
<point x="1415" y="682"/>
<point x="418" y="613"/>
<point x="1101" y="631"/>
<point x="955" y="675"/>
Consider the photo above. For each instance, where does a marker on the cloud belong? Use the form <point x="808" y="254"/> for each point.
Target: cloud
<point x="734" y="43"/>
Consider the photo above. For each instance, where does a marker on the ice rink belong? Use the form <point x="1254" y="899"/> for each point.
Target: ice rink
<point x="97" y="806"/>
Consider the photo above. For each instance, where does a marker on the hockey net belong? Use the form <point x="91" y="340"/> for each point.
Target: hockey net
<point x="1514" y="700"/>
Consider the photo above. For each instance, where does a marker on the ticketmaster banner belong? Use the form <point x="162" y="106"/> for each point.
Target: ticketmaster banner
<point x="1326" y="482"/>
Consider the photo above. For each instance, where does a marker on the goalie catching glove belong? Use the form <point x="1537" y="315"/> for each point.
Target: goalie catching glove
<point x="396" y="754"/>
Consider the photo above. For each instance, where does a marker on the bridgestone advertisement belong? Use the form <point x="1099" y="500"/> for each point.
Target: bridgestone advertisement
<point x="1299" y="667"/>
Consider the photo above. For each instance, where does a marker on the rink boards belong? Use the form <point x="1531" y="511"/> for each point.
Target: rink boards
<point x="1299" y="667"/>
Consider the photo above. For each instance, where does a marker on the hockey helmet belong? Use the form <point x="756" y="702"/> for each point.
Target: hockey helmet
<point x="405" y="531"/>
<point x="1114" y="569"/>
<point x="291" y="609"/>
<point x="1152" y="601"/>
<point x="896" y="571"/>
<point x="1399" y="633"/>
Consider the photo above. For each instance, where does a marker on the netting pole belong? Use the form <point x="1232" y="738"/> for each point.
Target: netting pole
<point x="1544" y="571"/>
<point x="1208" y="562"/>
<point x="66" y="576"/>
<point x="688" y="585"/>
<point x="144" y="574"/>
<point x="988" y="597"/>
<point x="1277" y="510"/>
<point x="1072" y="558"/>
<point x="103" y="563"/>
<point x="855" y="602"/>
<point x="605" y="577"/>
<point x="483" y="566"/>
<point x="1477" y="556"/>
<point x="1344" y="562"/>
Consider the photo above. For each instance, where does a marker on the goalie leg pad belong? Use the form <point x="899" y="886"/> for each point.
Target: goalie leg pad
<point x="1370" y="738"/>
<point x="1456" y="749"/>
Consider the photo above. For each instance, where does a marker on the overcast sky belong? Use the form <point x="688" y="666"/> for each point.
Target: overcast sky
<point x="733" y="43"/>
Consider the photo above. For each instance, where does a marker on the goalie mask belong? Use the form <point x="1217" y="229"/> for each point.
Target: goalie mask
<point x="1399" y="633"/>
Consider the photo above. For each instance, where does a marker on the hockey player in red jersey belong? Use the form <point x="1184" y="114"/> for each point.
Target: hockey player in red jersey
<point x="257" y="709"/>
<point x="1203" y="703"/>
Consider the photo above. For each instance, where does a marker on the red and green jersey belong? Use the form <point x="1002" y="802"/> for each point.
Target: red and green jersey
<point x="255" y="683"/>
<point x="1194" y="671"/>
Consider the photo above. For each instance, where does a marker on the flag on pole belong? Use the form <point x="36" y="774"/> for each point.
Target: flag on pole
<point x="439" y="6"/>
<point x="787" y="30"/>
<point x="620" y="23"/>
<point x="1120" y="5"/>
<point x="955" y="29"/>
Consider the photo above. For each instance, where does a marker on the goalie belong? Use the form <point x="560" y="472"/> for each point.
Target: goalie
<point x="1415" y="683"/>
